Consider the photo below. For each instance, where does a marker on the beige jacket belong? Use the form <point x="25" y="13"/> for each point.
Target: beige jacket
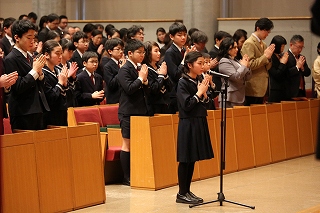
<point x="259" y="65"/>
<point x="316" y="75"/>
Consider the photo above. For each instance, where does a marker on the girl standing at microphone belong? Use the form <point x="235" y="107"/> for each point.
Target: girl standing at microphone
<point x="194" y="142"/>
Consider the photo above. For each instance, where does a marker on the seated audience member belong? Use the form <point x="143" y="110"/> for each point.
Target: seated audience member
<point x="81" y="42"/>
<point x="67" y="51"/>
<point x="27" y="101"/>
<point x="113" y="33"/>
<point x="161" y="33"/>
<point x="238" y="71"/>
<point x="136" y="32"/>
<point x="52" y="24"/>
<point x="89" y="85"/>
<point x="240" y="36"/>
<point x="123" y="35"/>
<point x="297" y="69"/>
<point x="133" y="89"/>
<point x="55" y="84"/>
<point x="159" y="81"/>
<point x="71" y="30"/>
<point x="63" y="23"/>
<point x="23" y="17"/>
<point x="218" y="38"/>
<point x="316" y="72"/>
<point x="43" y="23"/>
<point x="167" y="43"/>
<point x="278" y="71"/>
<point x="114" y="47"/>
<point x="108" y="28"/>
<point x="95" y="44"/>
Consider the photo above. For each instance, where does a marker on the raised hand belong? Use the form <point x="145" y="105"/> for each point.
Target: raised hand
<point x="203" y="87"/>
<point x="63" y="76"/>
<point x="300" y="62"/>
<point x="38" y="64"/>
<point x="100" y="48"/>
<point x="7" y="80"/>
<point x="245" y="60"/>
<point x="143" y="73"/>
<point x="269" y="51"/>
<point x="284" y="58"/>
<point x="98" y="94"/>
<point x="123" y="61"/>
<point x="213" y="63"/>
<point x="163" y="69"/>
<point x="73" y="70"/>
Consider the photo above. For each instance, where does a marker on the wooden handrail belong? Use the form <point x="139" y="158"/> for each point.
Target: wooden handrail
<point x="271" y="18"/>
<point x="118" y="21"/>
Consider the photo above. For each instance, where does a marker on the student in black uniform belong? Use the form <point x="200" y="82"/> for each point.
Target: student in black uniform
<point x="81" y="42"/>
<point x="55" y="84"/>
<point x="114" y="47"/>
<point x="193" y="134"/>
<point x="27" y="102"/>
<point x="134" y="87"/>
<point x="89" y="85"/>
<point x="159" y="81"/>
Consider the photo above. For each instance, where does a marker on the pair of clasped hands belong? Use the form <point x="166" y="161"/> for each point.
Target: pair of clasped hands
<point x="143" y="72"/>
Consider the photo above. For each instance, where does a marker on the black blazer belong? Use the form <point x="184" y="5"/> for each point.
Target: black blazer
<point x="77" y="58"/>
<point x="214" y="52"/>
<point x="160" y="87"/>
<point x="277" y="76"/>
<point x="133" y="93"/>
<point x="84" y="89"/>
<point x="293" y="78"/>
<point x="112" y="89"/>
<point x="26" y="96"/>
<point x="5" y="45"/>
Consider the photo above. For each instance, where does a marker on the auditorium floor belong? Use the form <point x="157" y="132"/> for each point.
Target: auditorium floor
<point x="286" y="187"/>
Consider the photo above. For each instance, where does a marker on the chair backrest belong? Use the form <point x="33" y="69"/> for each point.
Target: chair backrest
<point x="109" y="114"/>
<point x="7" y="126"/>
<point x="88" y="114"/>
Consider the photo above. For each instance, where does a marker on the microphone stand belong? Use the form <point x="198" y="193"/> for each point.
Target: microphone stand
<point x="221" y="197"/>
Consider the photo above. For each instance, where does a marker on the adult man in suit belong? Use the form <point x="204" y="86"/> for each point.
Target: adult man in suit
<point x="218" y="38"/>
<point x="63" y="23"/>
<point x="52" y="24"/>
<point x="260" y="61"/>
<point x="297" y="69"/>
<point x="6" y="43"/>
<point x="27" y="101"/>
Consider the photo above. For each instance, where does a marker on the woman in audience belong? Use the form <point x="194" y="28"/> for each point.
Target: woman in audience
<point x="278" y="70"/>
<point x="161" y="33"/>
<point x="316" y="73"/>
<point x="240" y="36"/>
<point x="238" y="71"/>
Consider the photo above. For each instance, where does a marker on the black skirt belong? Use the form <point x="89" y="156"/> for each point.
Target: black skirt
<point x="194" y="142"/>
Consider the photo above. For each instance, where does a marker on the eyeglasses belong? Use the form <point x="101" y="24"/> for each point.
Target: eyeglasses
<point x="118" y="49"/>
<point x="84" y="41"/>
<point x="299" y="47"/>
<point x="141" y="53"/>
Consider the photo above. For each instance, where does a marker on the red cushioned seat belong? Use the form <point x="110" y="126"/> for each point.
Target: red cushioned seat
<point x="109" y="114"/>
<point x="113" y="153"/>
<point x="88" y="114"/>
<point x="7" y="126"/>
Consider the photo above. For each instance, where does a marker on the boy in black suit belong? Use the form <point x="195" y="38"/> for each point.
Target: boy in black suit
<point x="81" y="42"/>
<point x="114" y="47"/>
<point x="133" y="91"/>
<point x="174" y="58"/>
<point x="89" y="85"/>
<point x="27" y="101"/>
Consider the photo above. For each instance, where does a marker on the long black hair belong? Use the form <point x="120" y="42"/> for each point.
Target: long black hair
<point x="190" y="58"/>
<point x="226" y="44"/>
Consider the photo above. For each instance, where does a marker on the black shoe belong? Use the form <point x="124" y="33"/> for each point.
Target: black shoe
<point x="195" y="197"/>
<point x="126" y="181"/>
<point x="186" y="199"/>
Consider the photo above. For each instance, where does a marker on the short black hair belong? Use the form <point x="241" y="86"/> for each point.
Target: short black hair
<point x="296" y="38"/>
<point x="177" y="27"/>
<point x="21" y="27"/>
<point x="49" y="45"/>
<point x="264" y="24"/>
<point x="99" y="26"/>
<point x="88" y="28"/>
<point x="132" y="45"/>
<point x="206" y="55"/>
<point x="220" y="35"/>
<point x="192" y="30"/>
<point x="133" y="30"/>
<point x="123" y="34"/>
<point x="96" y="32"/>
<point x="22" y="16"/>
<point x="199" y="37"/>
<point x="52" y="17"/>
<point x="89" y="54"/>
<point x="32" y="15"/>
<point x="62" y="17"/>
<point x="52" y="34"/>
<point x="112" y="43"/>
<point x="79" y="35"/>
<point x="108" y="27"/>
<point x="278" y="41"/>
<point x="66" y="44"/>
<point x="190" y="58"/>
<point x="8" y="22"/>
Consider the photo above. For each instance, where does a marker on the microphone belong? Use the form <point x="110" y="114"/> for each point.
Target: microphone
<point x="218" y="74"/>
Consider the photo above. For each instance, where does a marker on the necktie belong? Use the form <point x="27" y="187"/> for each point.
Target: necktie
<point x="91" y="78"/>
<point x="261" y="44"/>
<point x="183" y="51"/>
<point x="301" y="84"/>
<point x="28" y="58"/>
